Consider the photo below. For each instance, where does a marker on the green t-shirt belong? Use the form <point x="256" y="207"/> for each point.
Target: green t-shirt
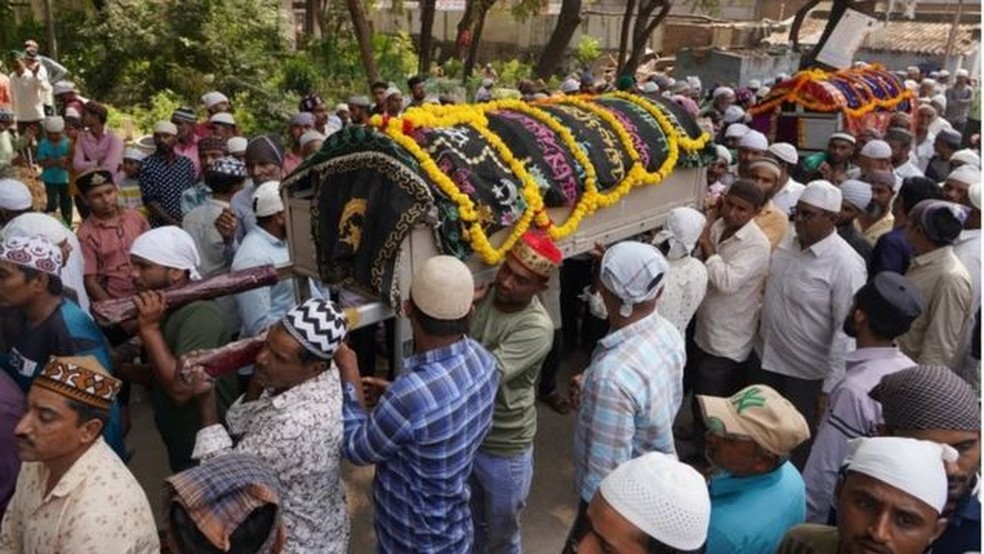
<point x="810" y="538"/>
<point x="197" y="326"/>
<point x="519" y="341"/>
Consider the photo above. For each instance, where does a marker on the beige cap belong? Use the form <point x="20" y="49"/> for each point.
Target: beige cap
<point x="266" y="199"/>
<point x="759" y="413"/>
<point x="443" y="288"/>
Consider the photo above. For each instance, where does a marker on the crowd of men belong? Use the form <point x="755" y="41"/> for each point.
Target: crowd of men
<point x="824" y="338"/>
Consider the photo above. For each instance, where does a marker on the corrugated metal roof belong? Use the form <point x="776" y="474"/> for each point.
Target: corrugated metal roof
<point x="896" y="36"/>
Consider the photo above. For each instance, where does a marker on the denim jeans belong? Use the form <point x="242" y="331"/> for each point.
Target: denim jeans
<point x="499" y="487"/>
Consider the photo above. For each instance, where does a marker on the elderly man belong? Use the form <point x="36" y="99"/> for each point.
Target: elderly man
<point x="428" y="424"/>
<point x="756" y="493"/>
<point x="788" y="189"/>
<point x="943" y="282"/>
<point x="512" y="324"/>
<point x="877" y="219"/>
<point x="932" y="403"/>
<point x="264" y="162"/>
<point x="736" y="255"/>
<point x="883" y="310"/>
<point x="808" y="294"/>
<point x="856" y="198"/>
<point x="947" y="142"/>
<point x="634" y="383"/>
<point x="73" y="494"/>
<point x="892" y="251"/>
<point x="296" y="406"/>
<point x="164" y="175"/>
<point x="652" y="503"/>
<point x="162" y="258"/>
<point x="890" y="500"/>
<point x="770" y="219"/>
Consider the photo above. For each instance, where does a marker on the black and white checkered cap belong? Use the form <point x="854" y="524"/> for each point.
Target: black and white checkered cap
<point x="318" y="325"/>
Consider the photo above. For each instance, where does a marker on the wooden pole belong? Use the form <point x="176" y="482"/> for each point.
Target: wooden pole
<point x="50" y="22"/>
<point x="952" y="38"/>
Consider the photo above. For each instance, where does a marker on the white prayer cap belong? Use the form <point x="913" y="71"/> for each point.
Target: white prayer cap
<point x="754" y="140"/>
<point x="341" y="107"/>
<point x="856" y="193"/>
<point x="392" y="91"/>
<point x="733" y="114"/>
<point x="722" y="91"/>
<point x="683" y="227"/>
<point x="650" y="87"/>
<point x="823" y="195"/>
<point x="962" y="73"/>
<point x="912" y="466"/>
<point x="165" y="128"/>
<point x="72" y="113"/>
<point x="212" y="98"/>
<point x="755" y="84"/>
<point x="912" y="69"/>
<point x="939" y="100"/>
<point x="62" y="87"/>
<point x="443" y="288"/>
<point x="54" y="124"/>
<point x="723" y="154"/>
<point x="633" y="272"/>
<point x="911" y="84"/>
<point x="267" y="200"/>
<point x="736" y="130"/>
<point x="965" y="174"/>
<point x="569" y="86"/>
<point x="664" y="498"/>
<point x="33" y="224"/>
<point x="14" y="195"/>
<point x="975" y="195"/>
<point x="223" y="118"/>
<point x="237" y="145"/>
<point x="762" y="92"/>
<point x="168" y="246"/>
<point x="310" y="136"/>
<point x="134" y="154"/>
<point x="877" y="150"/>
<point x="846" y="137"/>
<point x="944" y="73"/>
<point x="694" y="82"/>
<point x="785" y="152"/>
<point x="966" y="157"/>
<point x="929" y="82"/>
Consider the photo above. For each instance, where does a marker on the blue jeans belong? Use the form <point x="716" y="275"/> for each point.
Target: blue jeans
<point x="499" y="487"/>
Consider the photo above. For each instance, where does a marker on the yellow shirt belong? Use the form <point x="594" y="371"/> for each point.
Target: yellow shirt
<point x="96" y="507"/>
<point x="877" y="229"/>
<point x="773" y="223"/>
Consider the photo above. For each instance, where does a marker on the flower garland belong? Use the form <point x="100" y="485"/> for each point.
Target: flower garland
<point x="670" y="125"/>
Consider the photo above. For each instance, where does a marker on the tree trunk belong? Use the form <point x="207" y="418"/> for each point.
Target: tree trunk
<point x="428" y="9"/>
<point x="568" y="21"/>
<point x="483" y="10"/>
<point x="623" y="41"/>
<point x="646" y="23"/>
<point x="363" y="34"/>
<point x="49" y="20"/>
<point x="312" y="19"/>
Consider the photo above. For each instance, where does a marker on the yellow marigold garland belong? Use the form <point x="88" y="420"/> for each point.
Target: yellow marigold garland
<point x="670" y="125"/>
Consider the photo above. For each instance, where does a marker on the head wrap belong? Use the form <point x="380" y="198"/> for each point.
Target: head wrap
<point x="33" y="252"/>
<point x="227" y="166"/>
<point x="134" y="154"/>
<point x="237" y="145"/>
<point x="940" y="220"/>
<point x="15" y="196"/>
<point x="310" y="103"/>
<point x="267" y="200"/>
<point x="758" y="413"/>
<point x="754" y="140"/>
<point x="683" y="227"/>
<point x="856" y="193"/>
<point x="318" y="325"/>
<point x="877" y="150"/>
<point x="93" y="178"/>
<point x="965" y="174"/>
<point x="633" y="272"/>
<point x="785" y="152"/>
<point x="912" y="466"/>
<point x="210" y="99"/>
<point x="221" y="493"/>
<point x="537" y="253"/>
<point x="265" y="148"/>
<point x="82" y="379"/>
<point x="206" y="144"/>
<point x="736" y="130"/>
<point x="302" y="119"/>
<point x="168" y="246"/>
<point x="748" y="191"/>
<point x="891" y="302"/>
<point x="822" y="194"/>
<point x="927" y="397"/>
<point x="37" y="224"/>
<point x="184" y="114"/>
<point x="443" y="288"/>
<point x="966" y="157"/>
<point x="662" y="497"/>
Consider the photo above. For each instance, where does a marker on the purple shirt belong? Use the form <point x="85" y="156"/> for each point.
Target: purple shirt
<point x="892" y="253"/>
<point x="12" y="407"/>
<point x="105" y="152"/>
<point x="851" y="413"/>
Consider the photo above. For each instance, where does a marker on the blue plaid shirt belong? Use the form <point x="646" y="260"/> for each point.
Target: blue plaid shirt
<point x="630" y="395"/>
<point x="423" y="436"/>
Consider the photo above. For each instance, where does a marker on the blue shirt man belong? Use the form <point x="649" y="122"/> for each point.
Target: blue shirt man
<point x="757" y="495"/>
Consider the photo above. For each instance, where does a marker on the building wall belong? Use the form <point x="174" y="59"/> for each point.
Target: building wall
<point x="732" y="67"/>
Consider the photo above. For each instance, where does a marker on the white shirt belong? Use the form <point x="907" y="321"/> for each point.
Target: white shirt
<point x="28" y="93"/>
<point x="96" y="507"/>
<point x="686" y="283"/>
<point x="807" y="296"/>
<point x="923" y="152"/>
<point x="72" y="275"/>
<point x="788" y="196"/>
<point x="728" y="317"/>
<point x="908" y="169"/>
<point x="216" y="255"/>
<point x="298" y="433"/>
<point x="968" y="250"/>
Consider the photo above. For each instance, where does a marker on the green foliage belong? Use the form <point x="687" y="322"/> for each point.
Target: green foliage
<point x="588" y="49"/>
<point x="512" y="71"/>
<point x="524" y="9"/>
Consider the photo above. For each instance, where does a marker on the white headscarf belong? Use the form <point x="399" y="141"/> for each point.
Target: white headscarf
<point x="683" y="229"/>
<point x="169" y="246"/>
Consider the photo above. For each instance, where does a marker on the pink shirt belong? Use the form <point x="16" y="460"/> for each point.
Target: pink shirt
<point x="105" y="152"/>
<point x="190" y="151"/>
<point x="106" y="250"/>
